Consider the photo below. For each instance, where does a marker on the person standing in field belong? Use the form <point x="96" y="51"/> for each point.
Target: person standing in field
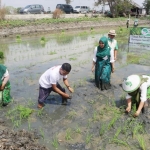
<point x="101" y="64"/>
<point x="114" y="47"/>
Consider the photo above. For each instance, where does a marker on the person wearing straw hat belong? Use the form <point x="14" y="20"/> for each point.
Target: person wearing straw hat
<point x="114" y="47"/>
<point x="138" y="89"/>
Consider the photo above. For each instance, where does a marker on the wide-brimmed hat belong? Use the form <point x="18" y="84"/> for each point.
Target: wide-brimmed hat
<point x="112" y="32"/>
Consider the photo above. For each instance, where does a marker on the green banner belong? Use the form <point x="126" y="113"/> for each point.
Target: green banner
<point x="140" y="35"/>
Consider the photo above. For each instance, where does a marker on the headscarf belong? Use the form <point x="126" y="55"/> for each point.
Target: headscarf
<point x="2" y="72"/>
<point x="105" y="51"/>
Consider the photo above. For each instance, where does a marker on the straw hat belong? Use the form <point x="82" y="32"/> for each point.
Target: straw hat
<point x="112" y="32"/>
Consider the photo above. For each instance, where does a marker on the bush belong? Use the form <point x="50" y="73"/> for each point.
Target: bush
<point x="57" y="13"/>
<point x="1" y="55"/>
<point x="2" y="13"/>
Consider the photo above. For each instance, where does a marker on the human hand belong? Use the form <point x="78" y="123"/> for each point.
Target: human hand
<point x="113" y="70"/>
<point x="128" y="109"/>
<point x="93" y="68"/>
<point x="1" y="88"/>
<point x="67" y="96"/>
<point x="136" y="114"/>
<point x="70" y="89"/>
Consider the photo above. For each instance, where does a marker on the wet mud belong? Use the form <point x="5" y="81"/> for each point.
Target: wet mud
<point x="92" y="119"/>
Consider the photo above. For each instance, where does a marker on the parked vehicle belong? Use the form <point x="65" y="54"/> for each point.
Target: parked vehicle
<point x="32" y="9"/>
<point x="65" y="8"/>
<point x="81" y="9"/>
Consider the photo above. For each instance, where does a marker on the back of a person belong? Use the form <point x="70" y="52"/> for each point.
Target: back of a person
<point x="46" y="77"/>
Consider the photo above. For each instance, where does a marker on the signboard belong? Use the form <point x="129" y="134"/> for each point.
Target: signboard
<point x="140" y="35"/>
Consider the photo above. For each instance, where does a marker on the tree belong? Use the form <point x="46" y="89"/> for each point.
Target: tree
<point x="146" y="5"/>
<point x="117" y="7"/>
<point x="68" y="1"/>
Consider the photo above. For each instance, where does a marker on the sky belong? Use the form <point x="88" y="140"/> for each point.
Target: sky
<point x="52" y="3"/>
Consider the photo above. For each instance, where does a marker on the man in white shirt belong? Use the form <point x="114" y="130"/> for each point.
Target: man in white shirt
<point x="49" y="82"/>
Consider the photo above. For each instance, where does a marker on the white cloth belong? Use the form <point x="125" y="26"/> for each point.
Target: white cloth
<point x="112" y="45"/>
<point x="95" y="58"/>
<point x="51" y="76"/>
<point x="5" y="74"/>
<point x="143" y="89"/>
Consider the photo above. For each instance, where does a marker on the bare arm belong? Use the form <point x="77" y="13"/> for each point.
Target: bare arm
<point x="5" y="80"/>
<point x="67" y="85"/>
<point x="129" y="104"/>
<point x="115" y="54"/>
<point x="139" y="109"/>
<point x="93" y="66"/>
<point x="59" y="91"/>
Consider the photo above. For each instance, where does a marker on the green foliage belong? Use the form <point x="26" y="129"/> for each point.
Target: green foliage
<point x="146" y="5"/>
<point x="1" y="55"/>
<point x="55" y="142"/>
<point x="142" y="143"/>
<point x="88" y="138"/>
<point x="68" y="134"/>
<point x="18" y="113"/>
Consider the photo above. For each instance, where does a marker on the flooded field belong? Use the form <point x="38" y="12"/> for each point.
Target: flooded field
<point x="93" y="119"/>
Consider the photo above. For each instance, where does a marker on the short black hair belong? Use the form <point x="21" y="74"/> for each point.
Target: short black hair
<point x="66" y="67"/>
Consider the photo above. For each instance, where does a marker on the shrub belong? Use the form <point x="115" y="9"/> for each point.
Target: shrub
<point x="1" y="55"/>
<point x="2" y="13"/>
<point x="57" y="13"/>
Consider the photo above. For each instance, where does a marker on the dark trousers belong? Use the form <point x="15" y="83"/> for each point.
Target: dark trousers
<point x="44" y="93"/>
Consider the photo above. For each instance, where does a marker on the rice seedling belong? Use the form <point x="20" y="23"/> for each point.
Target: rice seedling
<point x="78" y="130"/>
<point x="88" y="138"/>
<point x="141" y="142"/>
<point x="119" y="142"/>
<point x="102" y="129"/>
<point x="95" y="116"/>
<point x="137" y="129"/>
<point x="73" y="58"/>
<point x="112" y="122"/>
<point x="117" y="132"/>
<point x="72" y="114"/>
<point x="52" y="52"/>
<point x="29" y="125"/>
<point x="40" y="112"/>
<point x="55" y="142"/>
<point x="42" y="133"/>
<point x="68" y="134"/>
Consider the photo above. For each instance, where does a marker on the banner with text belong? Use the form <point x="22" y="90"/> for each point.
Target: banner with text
<point x="140" y="35"/>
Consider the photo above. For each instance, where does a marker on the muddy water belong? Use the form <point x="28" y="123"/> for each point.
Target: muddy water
<point x="79" y="124"/>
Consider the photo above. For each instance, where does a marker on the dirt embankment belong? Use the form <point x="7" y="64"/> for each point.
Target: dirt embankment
<point x="56" y="27"/>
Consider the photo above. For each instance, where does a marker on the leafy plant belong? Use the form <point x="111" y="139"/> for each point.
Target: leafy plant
<point x="1" y="55"/>
<point x="68" y="134"/>
<point x="55" y="142"/>
<point x="88" y="138"/>
<point x="142" y="143"/>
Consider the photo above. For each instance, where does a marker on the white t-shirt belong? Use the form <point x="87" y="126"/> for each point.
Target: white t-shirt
<point x="112" y="45"/>
<point x="143" y="89"/>
<point x="5" y="74"/>
<point x="51" y="76"/>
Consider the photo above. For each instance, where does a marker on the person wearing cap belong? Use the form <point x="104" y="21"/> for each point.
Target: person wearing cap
<point x="101" y="64"/>
<point x="138" y="89"/>
<point x="114" y="47"/>
<point x="48" y="82"/>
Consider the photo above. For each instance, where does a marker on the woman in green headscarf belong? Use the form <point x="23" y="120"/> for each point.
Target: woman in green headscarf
<point x="102" y="65"/>
<point x="4" y="86"/>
